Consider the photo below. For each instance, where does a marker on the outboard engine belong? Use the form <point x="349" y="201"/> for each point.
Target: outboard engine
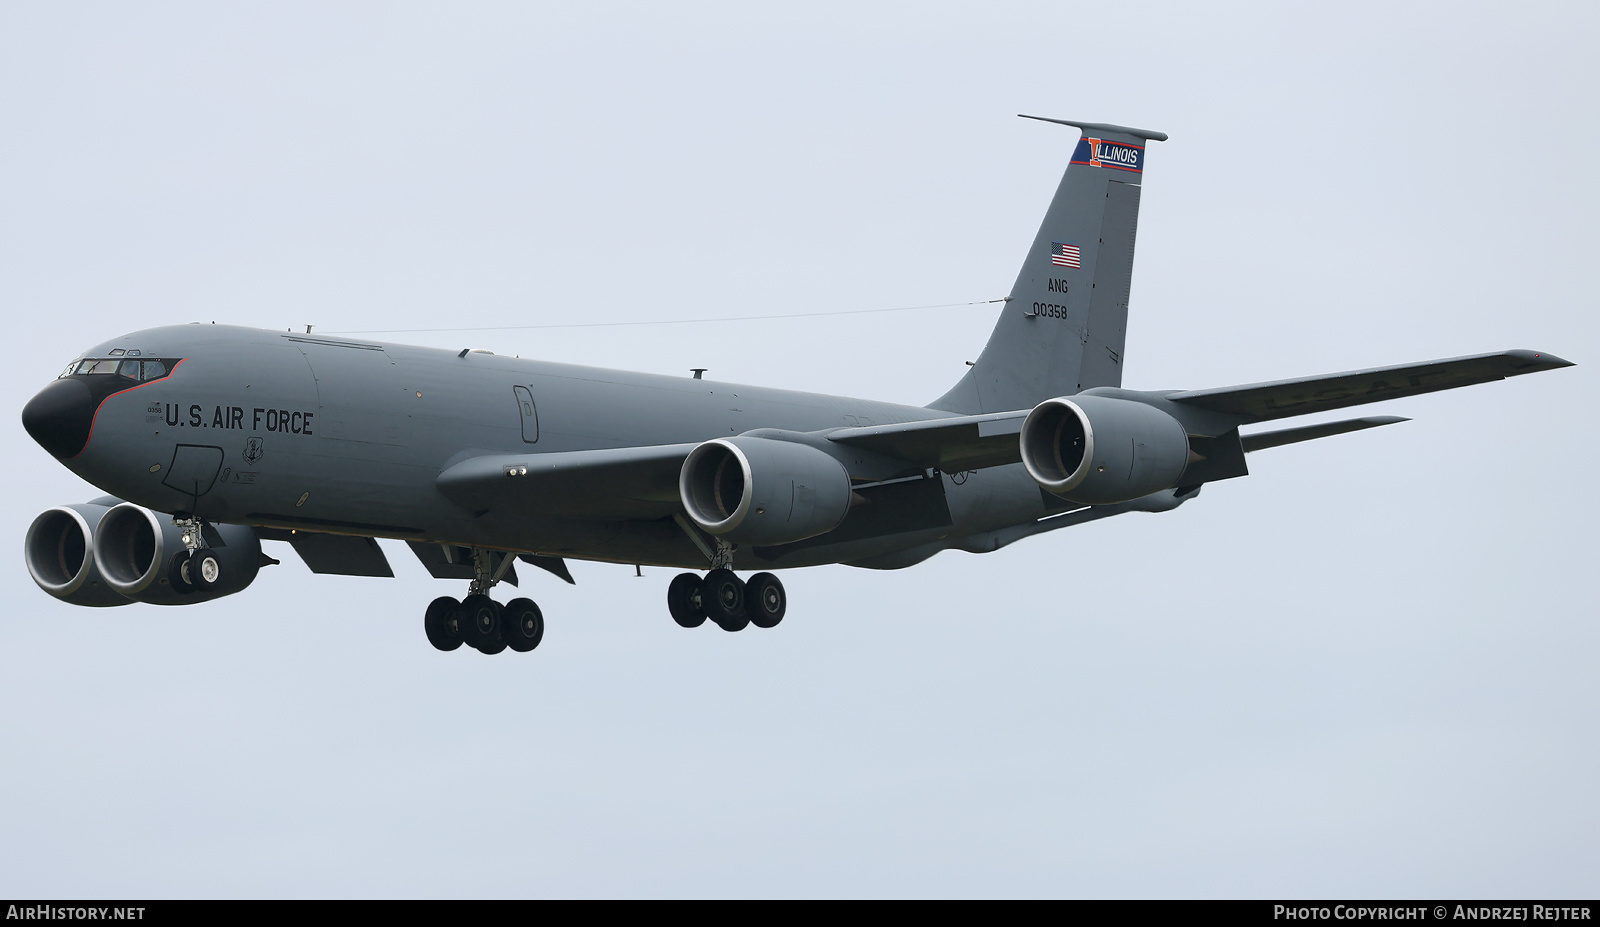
<point x="59" y="551"/>
<point x="760" y="491"/>
<point x="133" y="548"/>
<point x="1098" y="451"/>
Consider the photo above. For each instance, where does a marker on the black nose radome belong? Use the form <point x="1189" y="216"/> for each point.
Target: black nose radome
<point x="59" y="417"/>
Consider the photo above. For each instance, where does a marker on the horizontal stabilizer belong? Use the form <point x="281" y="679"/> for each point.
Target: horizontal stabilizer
<point x="1266" y="439"/>
<point x="1260" y="402"/>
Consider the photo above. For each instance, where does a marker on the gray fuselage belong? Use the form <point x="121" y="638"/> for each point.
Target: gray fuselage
<point x="334" y="435"/>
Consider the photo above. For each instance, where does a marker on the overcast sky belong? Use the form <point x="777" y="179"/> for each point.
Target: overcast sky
<point x="1368" y="669"/>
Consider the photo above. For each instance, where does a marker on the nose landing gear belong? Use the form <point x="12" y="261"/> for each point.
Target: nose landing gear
<point x="195" y="568"/>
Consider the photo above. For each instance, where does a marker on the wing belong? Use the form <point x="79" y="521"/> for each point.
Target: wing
<point x="963" y="442"/>
<point x="1260" y="402"/>
<point x="622" y="482"/>
<point x="642" y="482"/>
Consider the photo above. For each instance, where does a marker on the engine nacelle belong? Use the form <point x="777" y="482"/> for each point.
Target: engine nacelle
<point x="1097" y="450"/>
<point x="59" y="551"/>
<point x="760" y="491"/>
<point x="133" y="549"/>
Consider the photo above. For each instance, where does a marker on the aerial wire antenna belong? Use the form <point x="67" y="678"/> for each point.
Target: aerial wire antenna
<point x="736" y="318"/>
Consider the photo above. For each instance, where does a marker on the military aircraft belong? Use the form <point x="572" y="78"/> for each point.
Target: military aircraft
<point x="211" y="438"/>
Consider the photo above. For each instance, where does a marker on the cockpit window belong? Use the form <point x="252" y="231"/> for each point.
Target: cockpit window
<point x="136" y="370"/>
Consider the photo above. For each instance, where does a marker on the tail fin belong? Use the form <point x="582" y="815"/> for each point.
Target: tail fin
<point x="1062" y="329"/>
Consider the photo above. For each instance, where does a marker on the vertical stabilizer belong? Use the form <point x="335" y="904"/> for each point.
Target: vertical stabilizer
<point x="1062" y="330"/>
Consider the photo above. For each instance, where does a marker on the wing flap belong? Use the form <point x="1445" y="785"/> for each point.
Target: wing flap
<point x="1260" y="402"/>
<point x="340" y="554"/>
<point x="1260" y="441"/>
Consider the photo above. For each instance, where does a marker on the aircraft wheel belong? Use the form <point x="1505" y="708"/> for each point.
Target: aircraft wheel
<point x="178" y="573"/>
<point x="765" y="600"/>
<point x="204" y="569"/>
<point x="683" y="600"/>
<point x="722" y="594"/>
<point x="523" y="626"/>
<point x="442" y="622"/>
<point x="480" y="623"/>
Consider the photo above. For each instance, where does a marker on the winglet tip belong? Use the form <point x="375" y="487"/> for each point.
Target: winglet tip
<point x="1543" y="360"/>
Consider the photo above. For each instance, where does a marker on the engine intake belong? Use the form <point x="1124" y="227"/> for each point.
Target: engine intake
<point x="133" y="548"/>
<point x="60" y="556"/>
<point x="1097" y="450"/>
<point x="760" y="491"/>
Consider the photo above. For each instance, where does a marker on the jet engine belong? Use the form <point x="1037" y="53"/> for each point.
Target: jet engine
<point x="760" y="491"/>
<point x="1097" y="450"/>
<point x="60" y="555"/>
<point x="133" y="549"/>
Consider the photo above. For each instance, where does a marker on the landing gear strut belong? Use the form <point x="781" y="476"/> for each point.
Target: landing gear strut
<point x="479" y="621"/>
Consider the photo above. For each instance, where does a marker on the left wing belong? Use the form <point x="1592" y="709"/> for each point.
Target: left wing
<point x="622" y="482"/>
<point x="963" y="442"/>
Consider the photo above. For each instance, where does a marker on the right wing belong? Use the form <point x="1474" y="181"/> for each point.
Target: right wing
<point x="1261" y="402"/>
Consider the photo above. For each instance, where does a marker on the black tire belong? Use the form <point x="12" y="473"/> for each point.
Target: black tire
<point x="178" y="573"/>
<point x="683" y="600"/>
<point x="442" y="622"/>
<point x="765" y="600"/>
<point x="722" y="594"/>
<point x="205" y="569"/>
<point x="523" y="626"/>
<point x="481" y="619"/>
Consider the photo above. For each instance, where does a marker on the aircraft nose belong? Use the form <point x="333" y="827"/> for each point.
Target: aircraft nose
<point x="59" y="417"/>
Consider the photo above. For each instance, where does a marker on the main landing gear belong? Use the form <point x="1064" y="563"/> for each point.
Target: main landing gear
<point x="730" y="603"/>
<point x="481" y="622"/>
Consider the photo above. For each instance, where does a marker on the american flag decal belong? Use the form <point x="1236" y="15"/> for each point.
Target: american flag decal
<point x="1065" y="255"/>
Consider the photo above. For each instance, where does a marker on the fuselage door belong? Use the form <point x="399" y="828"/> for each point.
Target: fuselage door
<point x="530" y="414"/>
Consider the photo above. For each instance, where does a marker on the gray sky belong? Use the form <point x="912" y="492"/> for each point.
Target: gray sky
<point x="1365" y="670"/>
